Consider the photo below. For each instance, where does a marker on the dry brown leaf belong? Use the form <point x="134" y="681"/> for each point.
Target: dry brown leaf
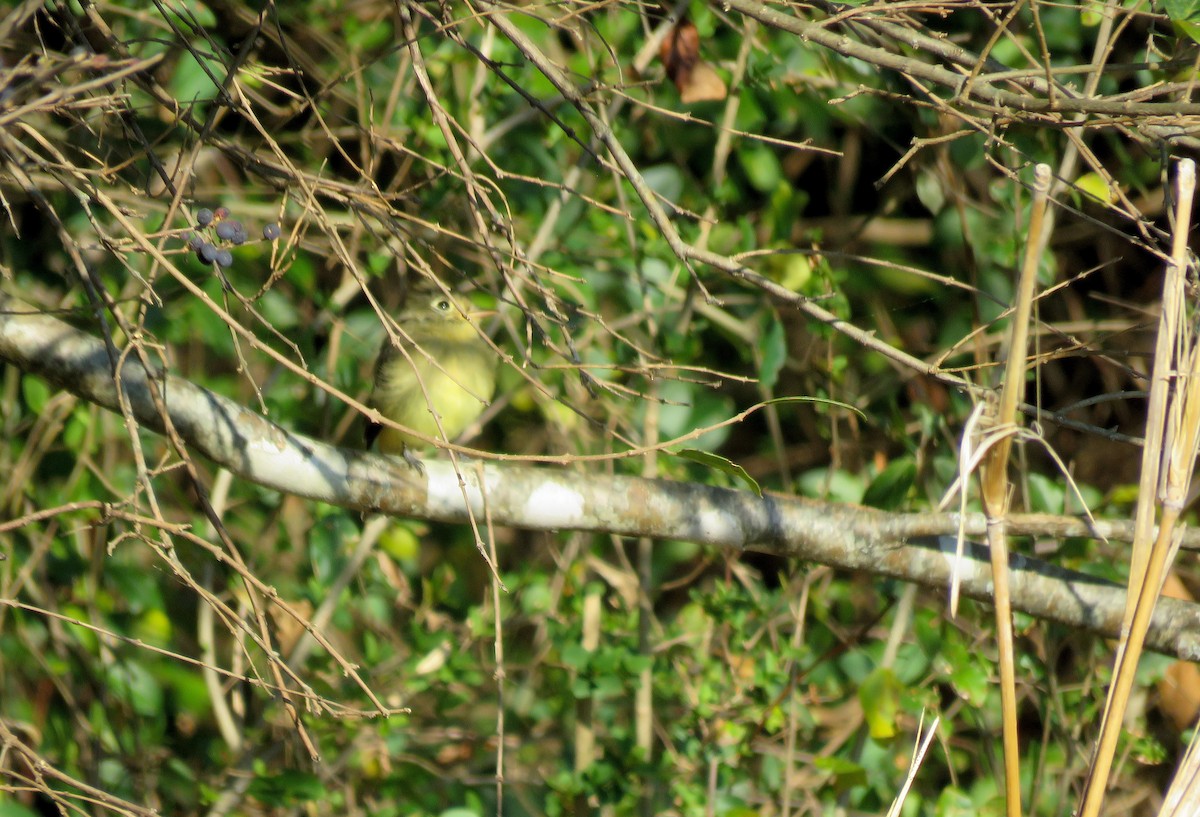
<point x="1179" y="689"/>
<point x="696" y="80"/>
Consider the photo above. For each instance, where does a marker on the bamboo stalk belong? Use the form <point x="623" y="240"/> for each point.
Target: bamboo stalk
<point x="994" y="488"/>
<point x="1175" y="418"/>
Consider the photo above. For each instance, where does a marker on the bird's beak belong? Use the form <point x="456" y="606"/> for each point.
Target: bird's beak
<point x="480" y="314"/>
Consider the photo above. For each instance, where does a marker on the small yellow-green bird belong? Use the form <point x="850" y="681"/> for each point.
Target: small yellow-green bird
<point x="443" y="367"/>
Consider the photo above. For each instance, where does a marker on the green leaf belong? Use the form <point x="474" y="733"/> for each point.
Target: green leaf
<point x="366" y="36"/>
<point x="689" y="407"/>
<point x="36" y="393"/>
<point x="1092" y="15"/>
<point x="1149" y="750"/>
<point x="930" y="192"/>
<point x="537" y="598"/>
<point x="665" y="180"/>
<point x="634" y="664"/>
<point x="607" y="686"/>
<point x="890" y="489"/>
<point x="774" y="352"/>
<point x="288" y="788"/>
<point x="721" y="464"/>
<point x="761" y="166"/>
<point x="78" y="424"/>
<point x="401" y="543"/>
<point x="835" y="486"/>
<point x="779" y="401"/>
<point x="576" y="657"/>
<point x="9" y="808"/>
<point x="1188" y="28"/>
<point x="279" y="310"/>
<point x="1094" y="186"/>
<point x="791" y="270"/>
<point x="954" y="802"/>
<point x="1181" y="11"/>
<point x="1047" y="494"/>
<point x="971" y="681"/>
<point x="196" y="79"/>
<point x="846" y="773"/>
<point x="879" y="694"/>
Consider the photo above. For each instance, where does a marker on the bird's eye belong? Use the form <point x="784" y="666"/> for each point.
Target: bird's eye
<point x="442" y="306"/>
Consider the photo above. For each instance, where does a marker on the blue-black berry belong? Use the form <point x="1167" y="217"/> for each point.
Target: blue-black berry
<point x="271" y="231"/>
<point x="208" y="252"/>
<point x="204" y="217"/>
<point x="224" y="258"/>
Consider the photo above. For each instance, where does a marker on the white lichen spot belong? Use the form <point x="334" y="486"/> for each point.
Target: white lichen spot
<point x="555" y="505"/>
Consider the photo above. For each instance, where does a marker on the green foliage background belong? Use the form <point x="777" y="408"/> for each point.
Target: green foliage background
<point x="777" y="687"/>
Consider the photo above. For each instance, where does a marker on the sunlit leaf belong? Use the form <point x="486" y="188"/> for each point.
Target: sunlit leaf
<point x="720" y="464"/>
<point x="879" y="695"/>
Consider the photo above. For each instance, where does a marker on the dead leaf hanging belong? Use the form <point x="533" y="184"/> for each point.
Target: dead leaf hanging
<point x="696" y="80"/>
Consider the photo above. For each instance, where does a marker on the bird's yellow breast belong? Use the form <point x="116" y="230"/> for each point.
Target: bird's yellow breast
<point x="450" y="372"/>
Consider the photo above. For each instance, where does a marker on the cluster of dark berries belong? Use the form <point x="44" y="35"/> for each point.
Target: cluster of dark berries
<point x="227" y="230"/>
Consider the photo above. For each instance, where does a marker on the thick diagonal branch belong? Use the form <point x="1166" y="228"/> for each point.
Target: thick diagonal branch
<point x="903" y="546"/>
